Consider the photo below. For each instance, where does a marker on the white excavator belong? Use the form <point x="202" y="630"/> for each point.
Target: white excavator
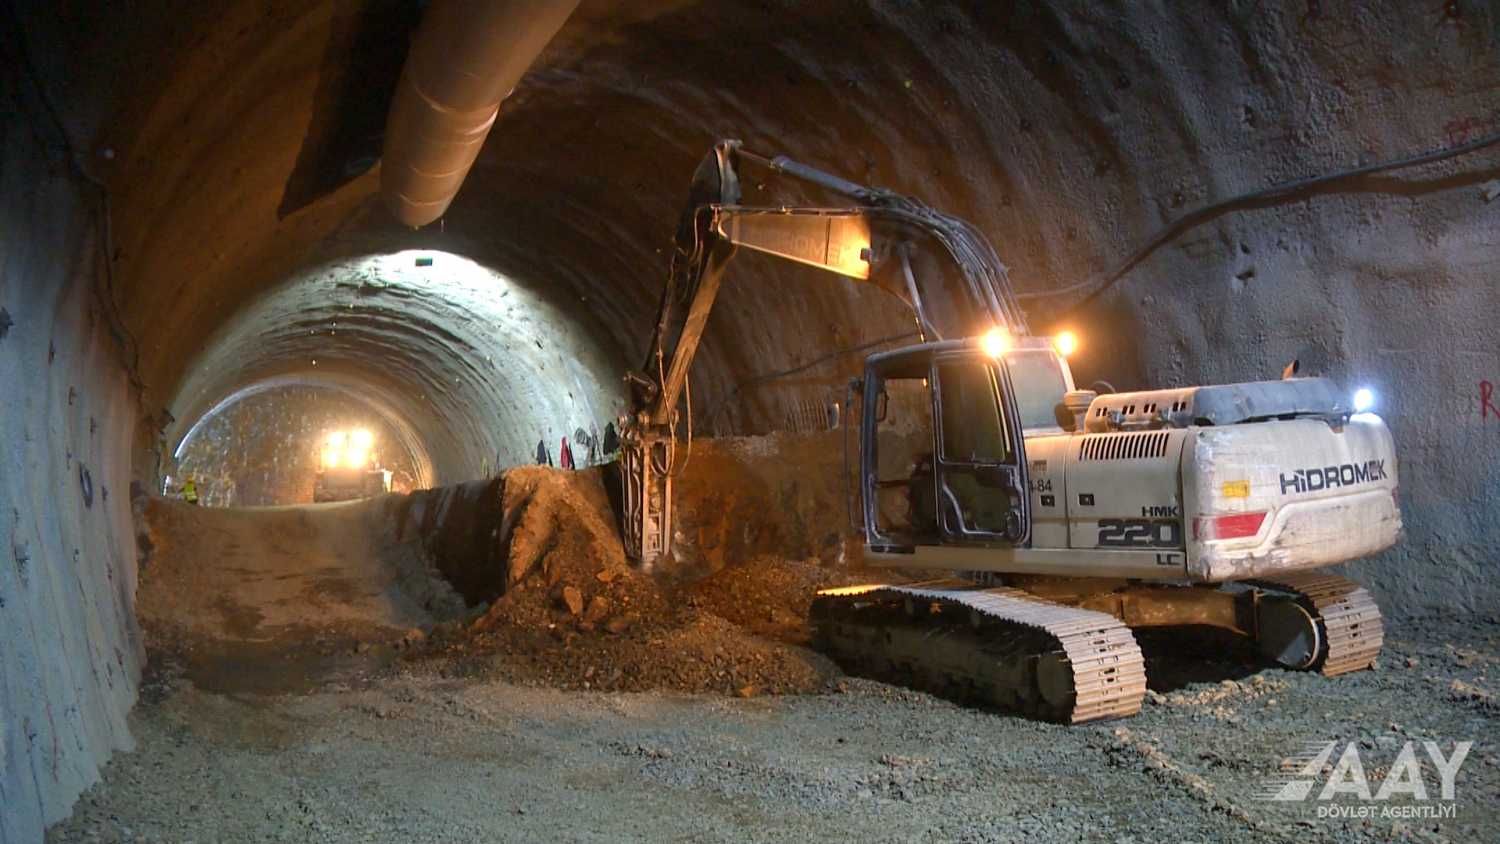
<point x="1056" y="519"/>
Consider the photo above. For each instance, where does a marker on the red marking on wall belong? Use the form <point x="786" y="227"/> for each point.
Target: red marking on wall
<point x="1487" y="400"/>
<point x="1461" y="130"/>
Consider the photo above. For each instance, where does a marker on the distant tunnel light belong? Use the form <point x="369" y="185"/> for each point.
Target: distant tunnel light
<point x="1364" y="399"/>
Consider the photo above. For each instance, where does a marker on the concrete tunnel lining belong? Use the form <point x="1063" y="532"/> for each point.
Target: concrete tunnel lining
<point x="475" y="365"/>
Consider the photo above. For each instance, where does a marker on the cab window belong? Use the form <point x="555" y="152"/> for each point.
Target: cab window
<point x="1039" y="383"/>
<point x="973" y="430"/>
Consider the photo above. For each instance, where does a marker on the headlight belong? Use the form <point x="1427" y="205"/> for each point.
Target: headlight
<point x="1364" y="399"/>
<point x="1066" y="343"/>
<point x="995" y="342"/>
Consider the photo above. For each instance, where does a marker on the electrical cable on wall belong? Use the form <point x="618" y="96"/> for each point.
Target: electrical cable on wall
<point x="1192" y="219"/>
<point x="1163" y="236"/>
<point x="773" y="376"/>
<point x="122" y="331"/>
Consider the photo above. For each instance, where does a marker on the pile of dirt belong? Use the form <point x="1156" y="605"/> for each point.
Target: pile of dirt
<point x="521" y="577"/>
<point x="780" y="495"/>
<point x="578" y="615"/>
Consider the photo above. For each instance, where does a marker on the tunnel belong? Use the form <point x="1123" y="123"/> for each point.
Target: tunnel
<point x="231" y="227"/>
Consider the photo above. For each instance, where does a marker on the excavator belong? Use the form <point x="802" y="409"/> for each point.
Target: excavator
<point x="1054" y="520"/>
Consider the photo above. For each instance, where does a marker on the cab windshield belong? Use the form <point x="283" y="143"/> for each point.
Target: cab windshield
<point x="1037" y="377"/>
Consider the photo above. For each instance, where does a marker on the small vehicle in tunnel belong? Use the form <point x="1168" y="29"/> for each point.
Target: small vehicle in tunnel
<point x="1060" y="518"/>
<point x="348" y="468"/>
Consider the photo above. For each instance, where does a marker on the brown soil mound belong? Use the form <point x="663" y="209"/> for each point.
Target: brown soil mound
<point x="578" y="616"/>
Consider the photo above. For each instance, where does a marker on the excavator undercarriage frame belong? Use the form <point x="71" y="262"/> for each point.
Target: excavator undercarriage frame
<point x="1061" y="649"/>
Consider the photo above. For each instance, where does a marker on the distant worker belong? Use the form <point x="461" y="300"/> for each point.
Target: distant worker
<point x="565" y="455"/>
<point x="190" y="492"/>
<point x="542" y="457"/>
<point x="611" y="439"/>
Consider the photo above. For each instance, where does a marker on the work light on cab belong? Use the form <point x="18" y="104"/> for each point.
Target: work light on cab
<point x="995" y="342"/>
<point x="1066" y="343"/>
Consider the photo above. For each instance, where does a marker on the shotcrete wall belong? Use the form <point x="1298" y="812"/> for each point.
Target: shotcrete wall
<point x="70" y="653"/>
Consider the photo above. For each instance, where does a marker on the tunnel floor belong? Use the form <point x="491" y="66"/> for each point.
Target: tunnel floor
<point x="300" y="688"/>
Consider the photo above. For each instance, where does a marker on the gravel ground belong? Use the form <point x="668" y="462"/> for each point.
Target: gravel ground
<point x="404" y="753"/>
<point x="303" y="688"/>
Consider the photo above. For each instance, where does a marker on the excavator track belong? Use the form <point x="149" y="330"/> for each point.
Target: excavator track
<point x="999" y="646"/>
<point x="1348" y="619"/>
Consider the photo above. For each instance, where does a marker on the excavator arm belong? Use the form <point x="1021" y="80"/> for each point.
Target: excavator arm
<point x="713" y="226"/>
<point x="878" y="240"/>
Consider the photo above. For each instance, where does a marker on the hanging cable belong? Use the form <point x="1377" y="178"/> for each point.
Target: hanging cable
<point x="1279" y="191"/>
<point x="103" y="216"/>
<point x="765" y="377"/>
<point x="687" y="389"/>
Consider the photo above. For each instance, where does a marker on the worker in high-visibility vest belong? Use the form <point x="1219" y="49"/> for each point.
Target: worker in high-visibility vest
<point x="190" y="492"/>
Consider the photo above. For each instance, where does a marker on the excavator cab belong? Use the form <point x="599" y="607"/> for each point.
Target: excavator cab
<point x="943" y="460"/>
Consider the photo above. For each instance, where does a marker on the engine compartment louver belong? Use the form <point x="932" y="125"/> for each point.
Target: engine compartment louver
<point x="1124" y="446"/>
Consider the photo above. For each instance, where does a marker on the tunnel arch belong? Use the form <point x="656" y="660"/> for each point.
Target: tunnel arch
<point x="471" y="365"/>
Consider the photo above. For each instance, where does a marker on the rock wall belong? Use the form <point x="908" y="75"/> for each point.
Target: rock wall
<point x="70" y="654"/>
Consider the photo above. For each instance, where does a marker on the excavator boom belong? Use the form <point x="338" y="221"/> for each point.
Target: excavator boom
<point x="833" y="239"/>
<point x="879" y="240"/>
